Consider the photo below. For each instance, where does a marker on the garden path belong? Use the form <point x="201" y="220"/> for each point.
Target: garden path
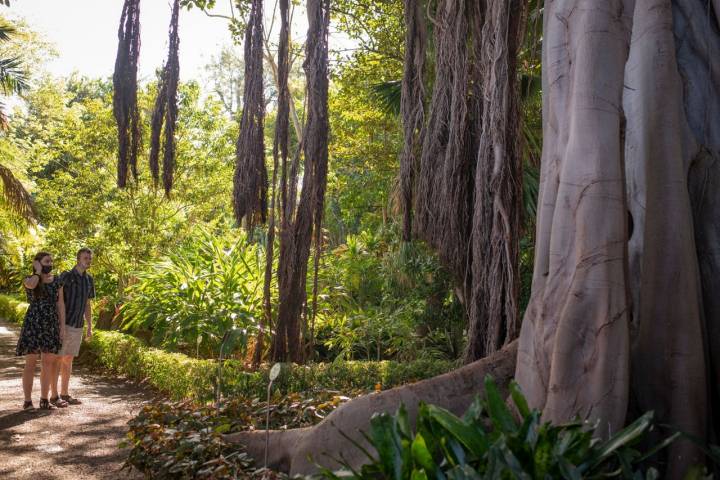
<point x="78" y="442"/>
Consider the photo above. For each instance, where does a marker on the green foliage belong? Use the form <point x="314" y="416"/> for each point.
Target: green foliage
<point x="12" y="309"/>
<point x="65" y="141"/>
<point x="189" y="299"/>
<point x="489" y="441"/>
<point x="385" y="299"/>
<point x="182" y="377"/>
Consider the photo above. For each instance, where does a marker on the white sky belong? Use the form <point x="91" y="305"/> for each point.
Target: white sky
<point x="85" y="34"/>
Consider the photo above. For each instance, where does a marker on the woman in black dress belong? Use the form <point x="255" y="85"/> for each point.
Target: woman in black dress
<point x="42" y="329"/>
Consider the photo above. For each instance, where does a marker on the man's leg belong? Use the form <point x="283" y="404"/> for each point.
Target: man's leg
<point x="65" y="371"/>
<point x="55" y="373"/>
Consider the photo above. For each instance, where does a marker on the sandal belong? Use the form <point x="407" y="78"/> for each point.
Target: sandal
<point x="29" y="407"/>
<point x="59" y="402"/>
<point x="46" y="405"/>
<point x="71" y="400"/>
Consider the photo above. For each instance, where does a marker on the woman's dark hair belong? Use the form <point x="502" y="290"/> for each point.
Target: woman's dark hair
<point x="39" y="291"/>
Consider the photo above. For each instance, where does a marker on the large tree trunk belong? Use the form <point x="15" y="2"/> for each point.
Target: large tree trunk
<point x="617" y="320"/>
<point x="296" y="234"/>
<point x="574" y="344"/>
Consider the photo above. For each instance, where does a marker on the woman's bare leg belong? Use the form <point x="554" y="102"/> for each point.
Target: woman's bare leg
<point x="29" y="375"/>
<point x="47" y="373"/>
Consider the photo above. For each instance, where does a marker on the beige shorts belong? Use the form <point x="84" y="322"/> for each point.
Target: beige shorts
<point x="71" y="341"/>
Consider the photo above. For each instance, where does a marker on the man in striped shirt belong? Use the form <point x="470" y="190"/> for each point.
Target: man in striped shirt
<point x="78" y="290"/>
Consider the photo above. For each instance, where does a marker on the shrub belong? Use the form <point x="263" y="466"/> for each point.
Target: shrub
<point x="183" y="377"/>
<point x="490" y="442"/>
<point x="384" y="299"/>
<point x="191" y="298"/>
<point x="12" y="309"/>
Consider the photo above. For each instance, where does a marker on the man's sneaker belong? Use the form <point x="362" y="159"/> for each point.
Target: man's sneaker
<point x="58" y="402"/>
<point x="71" y="400"/>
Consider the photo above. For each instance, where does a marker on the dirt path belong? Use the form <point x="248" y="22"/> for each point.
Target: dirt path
<point x="78" y="442"/>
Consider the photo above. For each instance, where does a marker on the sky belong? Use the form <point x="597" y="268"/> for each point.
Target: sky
<point x="85" y="35"/>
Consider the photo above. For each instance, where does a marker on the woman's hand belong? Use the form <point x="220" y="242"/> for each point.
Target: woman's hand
<point x="37" y="267"/>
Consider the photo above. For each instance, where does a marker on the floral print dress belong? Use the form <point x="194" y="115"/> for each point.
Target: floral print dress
<point x="41" y="331"/>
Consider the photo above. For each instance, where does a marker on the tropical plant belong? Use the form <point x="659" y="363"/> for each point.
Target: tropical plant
<point x="13" y="80"/>
<point x="190" y="299"/>
<point x="489" y="441"/>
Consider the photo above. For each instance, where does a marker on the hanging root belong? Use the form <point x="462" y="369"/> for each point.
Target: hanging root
<point x="125" y="91"/>
<point x="299" y="451"/>
<point x="251" y="179"/>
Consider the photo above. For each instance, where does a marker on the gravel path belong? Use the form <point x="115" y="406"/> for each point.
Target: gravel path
<point x="78" y="442"/>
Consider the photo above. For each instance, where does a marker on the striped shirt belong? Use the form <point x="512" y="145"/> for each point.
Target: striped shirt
<point x="77" y="289"/>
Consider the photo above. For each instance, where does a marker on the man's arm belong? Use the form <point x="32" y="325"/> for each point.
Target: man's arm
<point x="88" y="319"/>
<point x="61" y="313"/>
<point x="88" y="308"/>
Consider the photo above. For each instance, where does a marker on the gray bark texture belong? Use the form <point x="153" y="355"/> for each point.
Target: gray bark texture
<point x="622" y="322"/>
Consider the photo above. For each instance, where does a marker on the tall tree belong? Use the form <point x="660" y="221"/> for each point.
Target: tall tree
<point x="280" y="157"/>
<point x="297" y="231"/>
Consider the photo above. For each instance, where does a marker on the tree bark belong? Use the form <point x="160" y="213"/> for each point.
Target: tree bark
<point x="574" y="345"/>
<point x="296" y="235"/>
<point x="616" y="320"/>
<point x="250" y="183"/>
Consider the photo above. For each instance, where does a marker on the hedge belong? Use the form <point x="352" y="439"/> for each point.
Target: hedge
<point x="183" y="377"/>
<point x="12" y="309"/>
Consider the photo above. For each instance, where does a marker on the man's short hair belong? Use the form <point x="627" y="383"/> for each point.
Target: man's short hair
<point x="83" y="250"/>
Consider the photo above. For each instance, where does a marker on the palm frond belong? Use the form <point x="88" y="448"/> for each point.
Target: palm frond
<point x="16" y="197"/>
<point x="7" y="30"/>
<point x="388" y="95"/>
<point x="13" y="78"/>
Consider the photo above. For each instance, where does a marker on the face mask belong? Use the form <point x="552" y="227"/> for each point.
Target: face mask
<point x="46" y="269"/>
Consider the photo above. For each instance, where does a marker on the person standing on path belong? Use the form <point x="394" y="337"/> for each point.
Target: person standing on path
<point x="78" y="290"/>
<point x="42" y="331"/>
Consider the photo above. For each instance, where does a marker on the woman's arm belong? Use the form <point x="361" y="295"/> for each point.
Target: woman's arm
<point x="61" y="312"/>
<point x="31" y="281"/>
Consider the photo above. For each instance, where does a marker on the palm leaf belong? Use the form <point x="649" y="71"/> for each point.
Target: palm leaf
<point x="16" y="197"/>
<point x="13" y="78"/>
<point x="388" y="95"/>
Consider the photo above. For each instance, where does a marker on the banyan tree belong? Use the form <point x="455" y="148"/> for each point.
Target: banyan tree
<point x="624" y="315"/>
